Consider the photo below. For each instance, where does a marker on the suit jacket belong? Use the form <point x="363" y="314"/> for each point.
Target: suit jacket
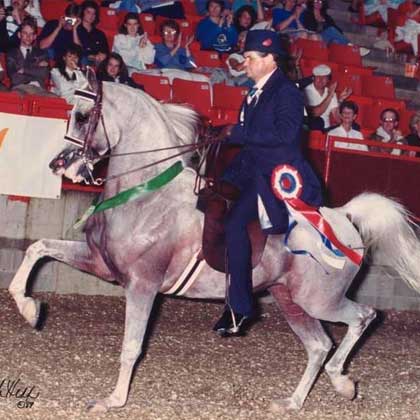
<point x="270" y="134"/>
<point x="32" y="71"/>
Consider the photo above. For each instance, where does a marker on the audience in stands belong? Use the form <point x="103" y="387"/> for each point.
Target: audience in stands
<point x="246" y="17"/>
<point x="27" y="65"/>
<point x="133" y="45"/>
<point x="113" y="69"/>
<point x="410" y="31"/>
<point x="216" y="31"/>
<point x="413" y="139"/>
<point x="348" y="113"/>
<point x="67" y="76"/>
<point x="288" y="19"/>
<point x="388" y="132"/>
<point x="58" y="34"/>
<point x="32" y="8"/>
<point x="93" y="40"/>
<point x="321" y="99"/>
<point x="2" y="77"/>
<point x="170" y="53"/>
<point x="316" y="19"/>
<point x="377" y="10"/>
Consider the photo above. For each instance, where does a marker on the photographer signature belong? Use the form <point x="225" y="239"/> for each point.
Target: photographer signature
<point x="14" y="389"/>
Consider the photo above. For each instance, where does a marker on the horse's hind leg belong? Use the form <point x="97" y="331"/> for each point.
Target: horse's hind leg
<point x="317" y="345"/>
<point x="76" y="254"/>
<point x="140" y="296"/>
<point x="358" y="317"/>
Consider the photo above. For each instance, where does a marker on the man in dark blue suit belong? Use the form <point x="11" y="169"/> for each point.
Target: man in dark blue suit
<point x="269" y="130"/>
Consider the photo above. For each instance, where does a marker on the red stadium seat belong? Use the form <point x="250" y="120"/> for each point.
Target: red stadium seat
<point x="352" y="81"/>
<point x="227" y="102"/>
<point x="207" y="59"/>
<point x="378" y="87"/>
<point x="156" y="86"/>
<point x="196" y="94"/>
<point x="108" y="19"/>
<point x="13" y="103"/>
<point x="109" y="34"/>
<point x="50" y="107"/>
<point x="189" y="7"/>
<point x="316" y="50"/>
<point x="148" y="23"/>
<point x="360" y="70"/>
<point x="52" y="9"/>
<point x="365" y="105"/>
<point x="344" y="54"/>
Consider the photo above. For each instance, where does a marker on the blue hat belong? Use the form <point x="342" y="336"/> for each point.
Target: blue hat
<point x="263" y="40"/>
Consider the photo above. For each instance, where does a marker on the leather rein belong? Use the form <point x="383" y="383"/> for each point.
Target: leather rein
<point x="90" y="157"/>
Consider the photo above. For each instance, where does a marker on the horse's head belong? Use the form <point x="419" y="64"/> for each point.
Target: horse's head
<point x="76" y="161"/>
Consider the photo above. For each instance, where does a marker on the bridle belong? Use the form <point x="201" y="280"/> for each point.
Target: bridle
<point x="89" y="157"/>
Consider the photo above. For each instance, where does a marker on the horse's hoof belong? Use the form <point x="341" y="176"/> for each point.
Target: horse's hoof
<point x="31" y="310"/>
<point x="344" y="386"/>
<point x="282" y="406"/>
<point x="94" y="406"/>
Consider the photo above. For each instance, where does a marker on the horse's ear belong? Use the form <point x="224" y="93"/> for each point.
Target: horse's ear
<point x="91" y="77"/>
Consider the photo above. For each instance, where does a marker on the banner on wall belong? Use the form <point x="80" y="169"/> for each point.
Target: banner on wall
<point x="27" y="145"/>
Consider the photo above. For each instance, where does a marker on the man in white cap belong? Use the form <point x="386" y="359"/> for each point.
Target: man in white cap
<point x="321" y="99"/>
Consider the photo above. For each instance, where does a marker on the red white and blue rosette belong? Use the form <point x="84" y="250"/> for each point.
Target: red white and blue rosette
<point x="287" y="185"/>
<point x="286" y="182"/>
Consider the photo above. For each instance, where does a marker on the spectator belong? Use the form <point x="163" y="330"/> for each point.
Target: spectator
<point x="2" y="77"/>
<point x="27" y="65"/>
<point x="321" y="99"/>
<point x="245" y="18"/>
<point x="201" y="6"/>
<point x="289" y="19"/>
<point x="17" y="14"/>
<point x="169" y="53"/>
<point x="113" y="69"/>
<point x="133" y="45"/>
<point x="216" y="32"/>
<point x="388" y="132"/>
<point x="316" y="19"/>
<point x="348" y="114"/>
<point x="57" y="35"/>
<point x="67" y="76"/>
<point x="93" y="40"/>
<point x="33" y="10"/>
<point x="413" y="139"/>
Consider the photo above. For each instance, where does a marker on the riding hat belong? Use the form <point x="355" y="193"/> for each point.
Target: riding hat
<point x="263" y="40"/>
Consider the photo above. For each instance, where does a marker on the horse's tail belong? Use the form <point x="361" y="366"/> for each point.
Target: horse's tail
<point x="387" y="231"/>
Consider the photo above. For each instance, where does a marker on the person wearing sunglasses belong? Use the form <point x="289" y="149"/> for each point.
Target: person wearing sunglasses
<point x="388" y="132"/>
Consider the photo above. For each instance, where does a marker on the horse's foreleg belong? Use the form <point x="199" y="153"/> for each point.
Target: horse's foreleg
<point x="358" y="317"/>
<point x="138" y="306"/>
<point x="76" y="254"/>
<point x="317" y="345"/>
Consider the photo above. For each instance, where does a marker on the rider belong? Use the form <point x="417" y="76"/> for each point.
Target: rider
<point x="269" y="131"/>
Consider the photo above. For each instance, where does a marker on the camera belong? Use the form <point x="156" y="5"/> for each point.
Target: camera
<point x="69" y="20"/>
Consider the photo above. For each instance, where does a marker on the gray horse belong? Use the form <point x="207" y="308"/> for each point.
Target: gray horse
<point x="148" y="244"/>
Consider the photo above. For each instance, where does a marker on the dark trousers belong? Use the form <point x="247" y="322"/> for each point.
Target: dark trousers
<point x="239" y="251"/>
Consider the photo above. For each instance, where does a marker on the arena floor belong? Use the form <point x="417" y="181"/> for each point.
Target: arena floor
<point x="187" y="372"/>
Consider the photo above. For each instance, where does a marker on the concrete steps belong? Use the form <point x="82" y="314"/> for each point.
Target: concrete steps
<point x="406" y="88"/>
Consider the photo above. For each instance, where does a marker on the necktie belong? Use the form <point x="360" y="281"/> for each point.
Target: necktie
<point x="251" y="95"/>
<point x="28" y="51"/>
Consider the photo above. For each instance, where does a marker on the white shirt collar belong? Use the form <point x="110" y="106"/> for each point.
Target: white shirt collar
<point x="24" y="50"/>
<point x="260" y="84"/>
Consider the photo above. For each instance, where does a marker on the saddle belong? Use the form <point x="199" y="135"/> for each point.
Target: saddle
<point x="214" y="200"/>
